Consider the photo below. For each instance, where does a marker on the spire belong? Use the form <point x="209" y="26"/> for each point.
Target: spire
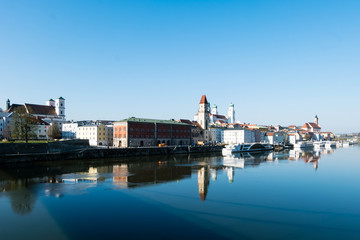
<point x="203" y="99"/>
<point x="8" y="104"/>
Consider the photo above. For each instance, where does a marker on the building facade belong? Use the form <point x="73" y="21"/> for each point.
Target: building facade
<point x="98" y="135"/>
<point x="142" y="132"/>
<point x="238" y="136"/>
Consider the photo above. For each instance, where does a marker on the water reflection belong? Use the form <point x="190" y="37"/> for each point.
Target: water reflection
<point x="23" y="183"/>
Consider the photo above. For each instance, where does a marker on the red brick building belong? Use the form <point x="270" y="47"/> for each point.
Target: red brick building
<point x="141" y="132"/>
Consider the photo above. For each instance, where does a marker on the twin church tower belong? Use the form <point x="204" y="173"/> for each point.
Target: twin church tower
<point x="204" y="117"/>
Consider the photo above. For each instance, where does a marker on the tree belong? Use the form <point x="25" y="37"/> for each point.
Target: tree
<point x="54" y="131"/>
<point x="23" y="125"/>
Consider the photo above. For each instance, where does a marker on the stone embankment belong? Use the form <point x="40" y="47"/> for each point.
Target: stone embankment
<point x="80" y="149"/>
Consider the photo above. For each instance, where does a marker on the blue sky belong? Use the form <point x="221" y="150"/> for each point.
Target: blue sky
<point x="279" y="62"/>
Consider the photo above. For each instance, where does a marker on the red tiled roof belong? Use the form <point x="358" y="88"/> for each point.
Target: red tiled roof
<point x="310" y="125"/>
<point x="269" y="134"/>
<point x="203" y="99"/>
<point x="314" y="125"/>
<point x="40" y="109"/>
<point x="219" y="116"/>
<point x="13" y="107"/>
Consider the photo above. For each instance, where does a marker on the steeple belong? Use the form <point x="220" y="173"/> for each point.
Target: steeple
<point x="316" y="120"/>
<point x="8" y="104"/>
<point x="231" y="113"/>
<point x="214" y="110"/>
<point x="203" y="113"/>
<point x="60" y="106"/>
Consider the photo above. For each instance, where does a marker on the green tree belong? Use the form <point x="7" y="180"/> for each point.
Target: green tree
<point x="23" y="125"/>
<point x="54" y="131"/>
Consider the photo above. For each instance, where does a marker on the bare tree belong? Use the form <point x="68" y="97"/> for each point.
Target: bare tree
<point x="23" y="125"/>
<point x="54" y="131"/>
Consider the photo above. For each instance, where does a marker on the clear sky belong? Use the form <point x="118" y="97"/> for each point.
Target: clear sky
<point x="279" y="62"/>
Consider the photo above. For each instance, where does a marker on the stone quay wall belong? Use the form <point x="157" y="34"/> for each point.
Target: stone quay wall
<point x="80" y="149"/>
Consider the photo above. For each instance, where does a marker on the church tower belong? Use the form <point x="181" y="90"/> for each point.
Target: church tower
<point x="231" y="113"/>
<point x="203" y="113"/>
<point x="316" y="120"/>
<point x="60" y="107"/>
<point x="8" y="104"/>
<point x="214" y="110"/>
<point x="50" y="102"/>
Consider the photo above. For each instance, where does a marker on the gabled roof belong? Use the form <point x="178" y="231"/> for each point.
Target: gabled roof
<point x="310" y="125"/>
<point x="314" y="125"/>
<point x="13" y="107"/>
<point x="203" y="99"/>
<point x="40" y="109"/>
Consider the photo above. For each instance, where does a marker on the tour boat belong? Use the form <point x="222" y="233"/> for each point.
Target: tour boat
<point x="246" y="147"/>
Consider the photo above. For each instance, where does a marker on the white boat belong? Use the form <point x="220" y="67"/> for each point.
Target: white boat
<point x="246" y="147"/>
<point x="339" y="144"/>
<point x="346" y="144"/>
<point x="318" y="145"/>
<point x="330" y="144"/>
<point x="303" y="145"/>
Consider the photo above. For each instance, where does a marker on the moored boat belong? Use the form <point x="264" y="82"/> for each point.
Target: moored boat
<point x="303" y="144"/>
<point x="246" y="147"/>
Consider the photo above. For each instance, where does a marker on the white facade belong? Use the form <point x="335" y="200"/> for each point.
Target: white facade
<point x="294" y="138"/>
<point x="203" y="115"/>
<point x="238" y="136"/>
<point x="275" y="138"/>
<point x="98" y="135"/>
<point x="69" y="130"/>
<point x="60" y="106"/>
<point x="41" y="131"/>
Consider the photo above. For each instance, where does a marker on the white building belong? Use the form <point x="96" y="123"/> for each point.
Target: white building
<point x="98" y="135"/>
<point x="294" y="138"/>
<point x="69" y="130"/>
<point x="41" y="130"/>
<point x="238" y="136"/>
<point x="53" y="111"/>
<point x="274" y="138"/>
<point x="204" y="117"/>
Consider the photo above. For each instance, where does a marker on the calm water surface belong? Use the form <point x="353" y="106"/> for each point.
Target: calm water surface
<point x="288" y="195"/>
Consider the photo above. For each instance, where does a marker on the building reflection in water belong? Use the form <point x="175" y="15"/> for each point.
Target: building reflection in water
<point x="203" y="182"/>
<point x="18" y="184"/>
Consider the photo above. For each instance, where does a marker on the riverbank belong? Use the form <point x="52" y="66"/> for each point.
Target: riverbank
<point x="80" y="149"/>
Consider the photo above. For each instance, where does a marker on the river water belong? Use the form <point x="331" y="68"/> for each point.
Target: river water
<point x="286" y="195"/>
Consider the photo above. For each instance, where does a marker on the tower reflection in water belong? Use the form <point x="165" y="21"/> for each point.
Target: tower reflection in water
<point x="23" y="183"/>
